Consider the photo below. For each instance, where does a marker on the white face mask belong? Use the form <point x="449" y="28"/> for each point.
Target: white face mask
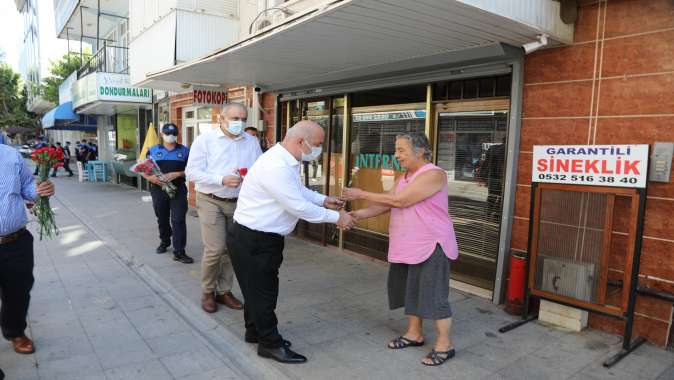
<point x="169" y="138"/>
<point x="315" y="152"/>
<point x="235" y="127"/>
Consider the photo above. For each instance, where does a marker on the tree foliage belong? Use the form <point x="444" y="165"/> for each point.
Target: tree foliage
<point x="60" y="70"/>
<point x="13" y="110"/>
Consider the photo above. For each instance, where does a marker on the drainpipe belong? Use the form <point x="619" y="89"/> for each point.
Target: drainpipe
<point x="531" y="47"/>
<point x="256" y="109"/>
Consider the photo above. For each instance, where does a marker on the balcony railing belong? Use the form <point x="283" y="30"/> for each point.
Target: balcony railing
<point x="108" y="59"/>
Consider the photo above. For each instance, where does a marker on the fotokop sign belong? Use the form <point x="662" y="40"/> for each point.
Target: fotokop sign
<point x="598" y="165"/>
<point x="208" y="96"/>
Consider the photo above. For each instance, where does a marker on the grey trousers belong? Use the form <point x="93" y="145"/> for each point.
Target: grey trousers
<point x="217" y="273"/>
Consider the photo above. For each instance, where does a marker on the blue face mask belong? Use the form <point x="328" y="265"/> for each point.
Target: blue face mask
<point x="235" y="127"/>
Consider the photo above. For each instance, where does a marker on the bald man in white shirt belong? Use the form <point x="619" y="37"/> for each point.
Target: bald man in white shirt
<point x="271" y="201"/>
<point x="216" y="158"/>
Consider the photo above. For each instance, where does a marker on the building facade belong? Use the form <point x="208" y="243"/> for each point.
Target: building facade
<point x="29" y="62"/>
<point x="485" y="81"/>
<point x="611" y="85"/>
<point x="102" y="87"/>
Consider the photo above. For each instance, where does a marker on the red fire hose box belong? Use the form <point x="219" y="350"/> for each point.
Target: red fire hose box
<point x="516" y="281"/>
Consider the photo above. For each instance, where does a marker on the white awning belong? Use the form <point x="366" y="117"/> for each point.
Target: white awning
<point x="355" y="38"/>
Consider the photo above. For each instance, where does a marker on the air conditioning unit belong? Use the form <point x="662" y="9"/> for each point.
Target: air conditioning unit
<point x="571" y="279"/>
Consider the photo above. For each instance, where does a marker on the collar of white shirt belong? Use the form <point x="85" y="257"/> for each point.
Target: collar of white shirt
<point x="283" y="153"/>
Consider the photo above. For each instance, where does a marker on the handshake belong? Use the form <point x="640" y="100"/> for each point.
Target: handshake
<point x="346" y="219"/>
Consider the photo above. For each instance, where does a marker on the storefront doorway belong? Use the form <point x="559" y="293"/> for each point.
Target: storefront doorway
<point x="471" y="149"/>
<point x="467" y="122"/>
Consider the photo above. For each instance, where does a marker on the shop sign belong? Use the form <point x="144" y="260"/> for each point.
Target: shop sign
<point x="117" y="88"/>
<point x="597" y="165"/>
<point x="388" y="116"/>
<point x="377" y="161"/>
<point x="208" y="96"/>
<point x="108" y="87"/>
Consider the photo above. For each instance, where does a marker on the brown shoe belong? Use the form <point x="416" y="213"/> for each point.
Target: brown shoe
<point x="23" y="345"/>
<point x="229" y="300"/>
<point x="208" y="303"/>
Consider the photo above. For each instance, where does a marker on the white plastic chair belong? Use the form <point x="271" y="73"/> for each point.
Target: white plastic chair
<point x="82" y="174"/>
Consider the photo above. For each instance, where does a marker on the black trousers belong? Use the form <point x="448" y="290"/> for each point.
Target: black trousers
<point x="171" y="215"/>
<point x="16" y="281"/>
<point x="256" y="259"/>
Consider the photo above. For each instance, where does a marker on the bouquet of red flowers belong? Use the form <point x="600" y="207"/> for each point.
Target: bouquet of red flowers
<point x="150" y="167"/>
<point x="46" y="158"/>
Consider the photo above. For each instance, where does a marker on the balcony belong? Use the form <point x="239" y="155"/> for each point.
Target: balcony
<point x="108" y="59"/>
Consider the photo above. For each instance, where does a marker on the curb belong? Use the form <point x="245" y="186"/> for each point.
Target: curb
<point x="221" y="341"/>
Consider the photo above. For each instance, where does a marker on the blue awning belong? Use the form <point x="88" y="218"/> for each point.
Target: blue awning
<point x="61" y="113"/>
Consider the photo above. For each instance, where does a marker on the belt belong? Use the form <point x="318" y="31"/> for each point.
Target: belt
<point x="262" y="233"/>
<point x="217" y="198"/>
<point x="14" y="236"/>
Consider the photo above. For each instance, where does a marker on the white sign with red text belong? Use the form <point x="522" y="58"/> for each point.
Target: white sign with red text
<point x="208" y="96"/>
<point x="597" y="165"/>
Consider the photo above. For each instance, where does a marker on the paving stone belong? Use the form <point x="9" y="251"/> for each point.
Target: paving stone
<point x="177" y="343"/>
<point x="116" y="355"/>
<point x="148" y="370"/>
<point x="70" y="368"/>
<point x="191" y="362"/>
<point x="220" y="373"/>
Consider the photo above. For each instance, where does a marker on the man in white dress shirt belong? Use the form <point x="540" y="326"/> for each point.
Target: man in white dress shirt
<point x="271" y="201"/>
<point x="215" y="163"/>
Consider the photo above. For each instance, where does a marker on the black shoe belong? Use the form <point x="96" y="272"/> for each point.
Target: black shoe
<point x="286" y="343"/>
<point x="281" y="355"/>
<point x="182" y="257"/>
<point x="162" y="247"/>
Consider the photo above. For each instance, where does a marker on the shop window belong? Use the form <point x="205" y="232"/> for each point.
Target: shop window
<point x="396" y="95"/>
<point x="126" y="135"/>
<point x="503" y="85"/>
<point x="455" y="90"/>
<point x="487" y="87"/>
<point x="373" y="134"/>
<point x="204" y="113"/>
<point x="472" y="88"/>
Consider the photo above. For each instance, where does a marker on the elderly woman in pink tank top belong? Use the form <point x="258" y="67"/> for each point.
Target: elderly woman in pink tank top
<point x="421" y="244"/>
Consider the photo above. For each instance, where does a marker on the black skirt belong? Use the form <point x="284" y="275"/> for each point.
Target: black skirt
<point x="423" y="289"/>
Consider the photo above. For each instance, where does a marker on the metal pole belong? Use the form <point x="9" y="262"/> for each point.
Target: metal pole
<point x="81" y="35"/>
<point x="98" y="25"/>
<point x="628" y="344"/>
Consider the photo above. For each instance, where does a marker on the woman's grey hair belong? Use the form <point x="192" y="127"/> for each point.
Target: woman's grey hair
<point x="419" y="143"/>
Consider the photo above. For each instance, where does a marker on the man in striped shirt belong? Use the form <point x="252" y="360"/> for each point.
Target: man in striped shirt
<point x="17" y="187"/>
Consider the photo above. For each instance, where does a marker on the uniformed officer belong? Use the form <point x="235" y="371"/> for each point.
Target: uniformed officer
<point x="171" y="158"/>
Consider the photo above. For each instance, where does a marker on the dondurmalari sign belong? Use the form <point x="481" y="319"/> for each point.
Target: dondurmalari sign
<point x="117" y="88"/>
<point x="109" y="87"/>
<point x="598" y="165"/>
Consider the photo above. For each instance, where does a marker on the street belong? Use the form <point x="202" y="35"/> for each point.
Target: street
<point x="105" y="306"/>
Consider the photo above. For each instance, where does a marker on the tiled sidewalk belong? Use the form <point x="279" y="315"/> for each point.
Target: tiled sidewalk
<point x="106" y="305"/>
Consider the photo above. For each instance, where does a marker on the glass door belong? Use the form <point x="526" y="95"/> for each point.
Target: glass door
<point x="471" y="148"/>
<point x="313" y="173"/>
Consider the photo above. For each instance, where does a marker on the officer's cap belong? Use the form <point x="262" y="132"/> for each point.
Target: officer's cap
<point x="169" y="129"/>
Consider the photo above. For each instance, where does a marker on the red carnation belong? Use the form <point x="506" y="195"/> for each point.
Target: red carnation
<point x="243" y="172"/>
